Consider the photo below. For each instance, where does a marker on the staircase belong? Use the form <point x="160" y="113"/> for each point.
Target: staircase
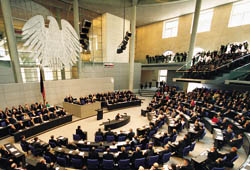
<point x="148" y="92"/>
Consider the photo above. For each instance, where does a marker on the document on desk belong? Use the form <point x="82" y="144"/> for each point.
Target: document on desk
<point x="12" y="150"/>
<point x="61" y="137"/>
<point x="81" y="153"/>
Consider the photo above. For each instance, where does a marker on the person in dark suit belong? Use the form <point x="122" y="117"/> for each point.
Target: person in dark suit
<point x="109" y="133"/>
<point x="80" y="133"/>
<point x="150" y="151"/>
<point x="236" y="142"/>
<point x="216" y="164"/>
<point x="93" y="154"/>
<point x="232" y="154"/>
<point x="53" y="141"/>
<point x="50" y="154"/>
<point x="131" y="134"/>
<point x="37" y="146"/>
<point x="118" y="116"/>
<point x="123" y="154"/>
<point x="137" y="154"/>
<point x="213" y="155"/>
<point x="24" y="143"/>
<point x="99" y="133"/>
<point x="41" y="165"/>
<point x="108" y="155"/>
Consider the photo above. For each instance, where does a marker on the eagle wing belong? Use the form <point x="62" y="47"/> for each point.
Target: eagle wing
<point x="34" y="32"/>
<point x="70" y="44"/>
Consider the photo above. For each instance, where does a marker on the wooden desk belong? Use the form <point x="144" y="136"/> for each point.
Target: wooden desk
<point x="82" y="111"/>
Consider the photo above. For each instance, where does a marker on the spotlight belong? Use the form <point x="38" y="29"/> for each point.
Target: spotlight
<point x="85" y="30"/>
<point x="87" y="23"/>
<point x="128" y="34"/>
<point x="119" y="51"/>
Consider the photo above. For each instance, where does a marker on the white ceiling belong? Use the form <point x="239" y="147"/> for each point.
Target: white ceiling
<point x="149" y="11"/>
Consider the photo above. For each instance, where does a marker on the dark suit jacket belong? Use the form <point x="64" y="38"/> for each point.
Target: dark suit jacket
<point x="41" y="166"/>
<point x="122" y="155"/>
<point x="137" y="155"/>
<point x="108" y="156"/>
<point x="93" y="155"/>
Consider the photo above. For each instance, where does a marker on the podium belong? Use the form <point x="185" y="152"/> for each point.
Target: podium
<point x="99" y="114"/>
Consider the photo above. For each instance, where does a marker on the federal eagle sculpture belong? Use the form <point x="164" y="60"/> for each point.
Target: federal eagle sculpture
<point x="53" y="47"/>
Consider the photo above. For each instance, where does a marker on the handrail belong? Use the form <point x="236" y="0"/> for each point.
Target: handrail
<point x="183" y="66"/>
<point x="229" y="63"/>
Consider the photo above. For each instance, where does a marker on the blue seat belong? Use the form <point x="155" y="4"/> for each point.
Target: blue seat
<point x="152" y="160"/>
<point x="92" y="163"/>
<point x="99" y="150"/>
<point x="107" y="164"/>
<point x="128" y="148"/>
<point x="110" y="138"/>
<point x="174" y="138"/>
<point x="185" y="151"/>
<point x="121" y="138"/>
<point x="192" y="146"/>
<point x="165" y="140"/>
<point x="113" y="150"/>
<point x="48" y="159"/>
<point x="139" y="162"/>
<point x="61" y="161"/>
<point x="3" y="124"/>
<point x="235" y="158"/>
<point x="98" y="138"/>
<point x="123" y="164"/>
<point x="166" y="157"/>
<point x="218" y="168"/>
<point x="77" y="163"/>
<point x="84" y="149"/>
<point x="76" y="137"/>
<point x="203" y="134"/>
<point x="239" y="146"/>
<point x="151" y="133"/>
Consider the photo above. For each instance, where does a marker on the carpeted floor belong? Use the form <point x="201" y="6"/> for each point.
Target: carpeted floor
<point x="91" y="125"/>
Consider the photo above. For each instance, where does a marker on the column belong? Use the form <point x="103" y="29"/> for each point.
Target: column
<point x="11" y="39"/>
<point x="132" y="46"/>
<point x="76" y="26"/>
<point x="194" y="30"/>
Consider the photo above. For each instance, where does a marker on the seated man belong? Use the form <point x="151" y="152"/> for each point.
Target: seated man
<point x="131" y="134"/>
<point x="24" y="143"/>
<point x="217" y="164"/>
<point x="236" y="142"/>
<point x="12" y="130"/>
<point x="213" y="155"/>
<point x="137" y="154"/>
<point x="99" y="133"/>
<point x="80" y="133"/>
<point x="123" y="154"/>
<point x="150" y="151"/>
<point x="41" y="165"/>
<point x="118" y="116"/>
<point x="53" y="143"/>
<point x="108" y="155"/>
<point x="93" y="154"/>
<point x="232" y="154"/>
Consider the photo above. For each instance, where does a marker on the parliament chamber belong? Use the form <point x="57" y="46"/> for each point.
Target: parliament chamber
<point x="124" y="85"/>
